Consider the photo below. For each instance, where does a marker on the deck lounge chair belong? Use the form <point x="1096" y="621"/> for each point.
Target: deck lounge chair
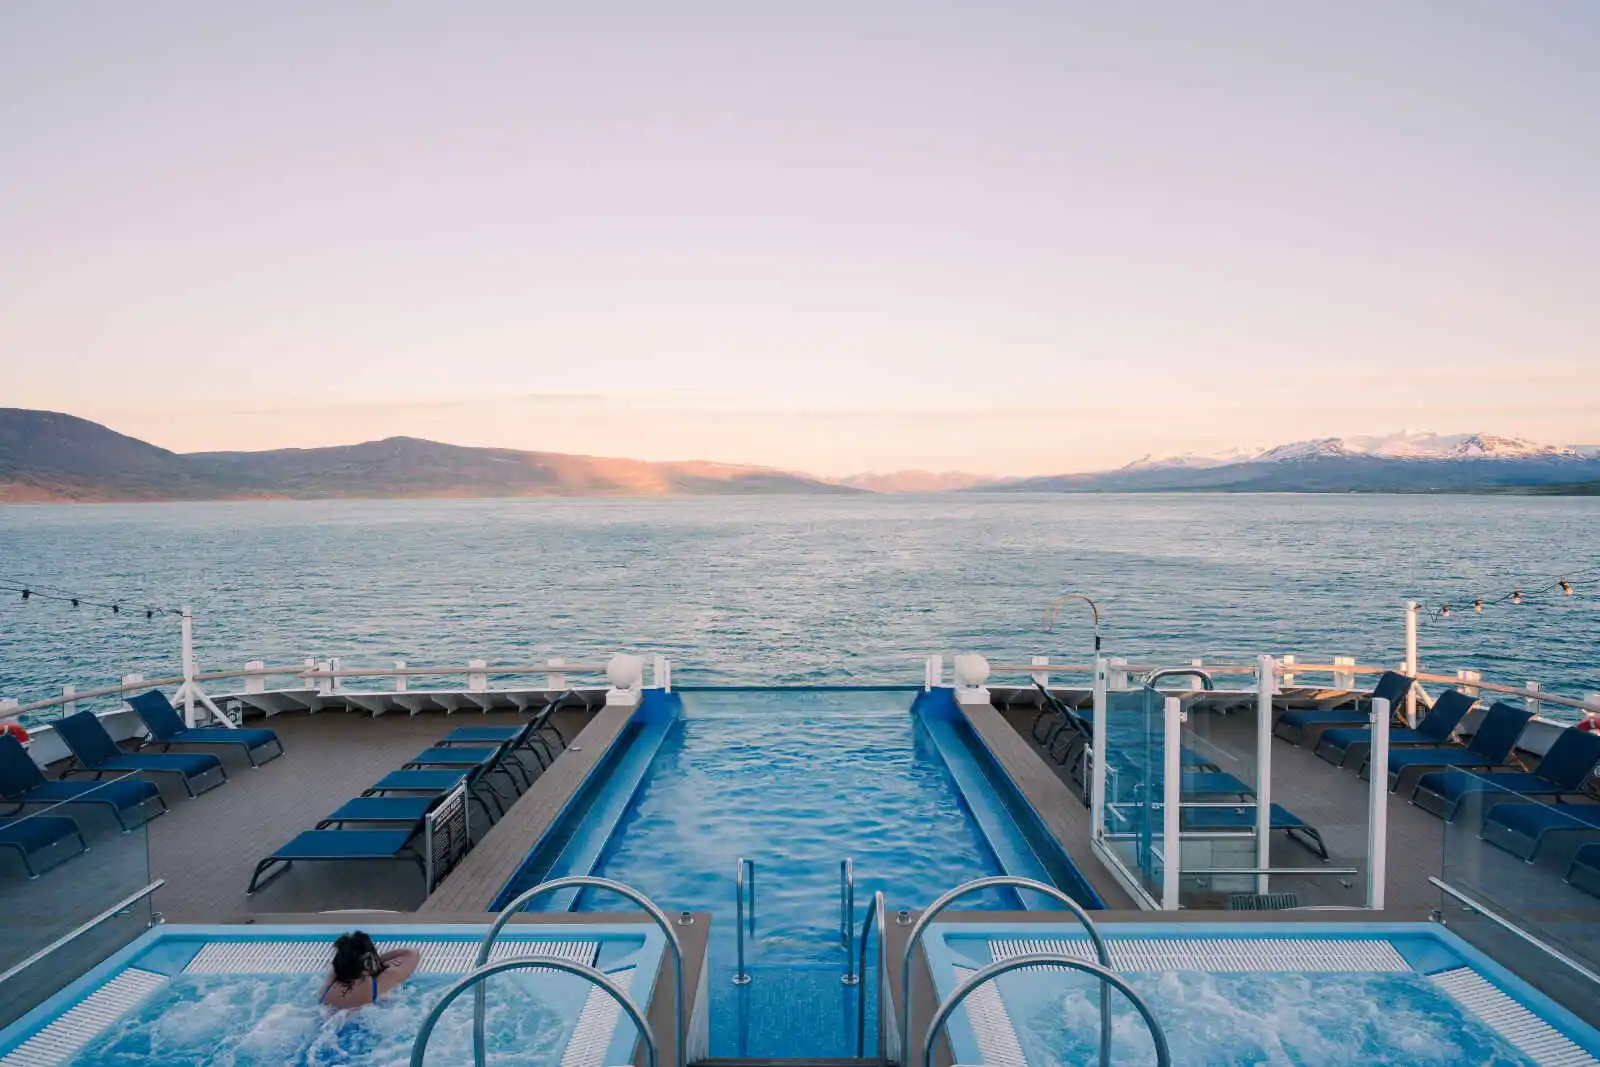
<point x="22" y="783"/>
<point x="340" y="845"/>
<point x="1563" y="771"/>
<point x="1243" y="819"/>
<point x="1521" y="829"/>
<point x="96" y="753"/>
<point x="1392" y="686"/>
<point x="405" y="810"/>
<point x="31" y="836"/>
<point x="437" y="783"/>
<point x="1436" y="728"/>
<point x="1584" y="873"/>
<point x="495" y="735"/>
<point x="1489" y="747"/>
<point x="167" y="729"/>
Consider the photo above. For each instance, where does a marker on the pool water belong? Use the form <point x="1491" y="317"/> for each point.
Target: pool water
<point x="795" y="781"/>
<point x="275" y="1020"/>
<point x="1281" y="1018"/>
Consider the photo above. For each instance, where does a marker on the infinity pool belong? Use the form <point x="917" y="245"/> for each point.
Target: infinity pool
<point x="797" y="781"/>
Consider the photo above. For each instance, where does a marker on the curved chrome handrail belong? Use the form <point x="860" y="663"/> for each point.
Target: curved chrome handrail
<point x="874" y="918"/>
<point x="740" y="975"/>
<point x="1045" y="959"/>
<point x="419" y="1047"/>
<point x="847" y="917"/>
<point x="582" y="881"/>
<point x="1012" y="882"/>
<point x="1206" y="681"/>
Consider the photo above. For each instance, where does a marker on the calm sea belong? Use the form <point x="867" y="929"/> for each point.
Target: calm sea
<point x="800" y="590"/>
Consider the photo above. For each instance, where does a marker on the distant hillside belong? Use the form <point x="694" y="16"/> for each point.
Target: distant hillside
<point x="1400" y="463"/>
<point x="916" y="481"/>
<point x="45" y="456"/>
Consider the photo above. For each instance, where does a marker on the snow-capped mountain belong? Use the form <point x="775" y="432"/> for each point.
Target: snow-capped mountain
<point x="1409" y="461"/>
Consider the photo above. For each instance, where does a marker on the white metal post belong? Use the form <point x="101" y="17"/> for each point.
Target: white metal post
<point x="1172" y="797"/>
<point x="1266" y="686"/>
<point x="336" y="664"/>
<point x="1288" y="678"/>
<point x="1344" y="679"/>
<point x="400" y="680"/>
<point x="1378" y="806"/>
<point x="255" y="683"/>
<point x="1041" y="677"/>
<point x="1411" y="662"/>
<point x="1532" y="699"/>
<point x="187" y="630"/>
<point x="478" y="680"/>
<point x="558" y="679"/>
<point x="1097" y="772"/>
<point x="68" y="706"/>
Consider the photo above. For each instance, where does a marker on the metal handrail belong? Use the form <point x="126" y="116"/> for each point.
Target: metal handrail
<point x="874" y="918"/>
<point x="419" y="1047"/>
<point x="1045" y="959"/>
<point x="584" y="881"/>
<point x="1512" y="928"/>
<point x="847" y="917"/>
<point x="1207" y="683"/>
<point x="740" y="975"/>
<point x="78" y="931"/>
<point x="1011" y="882"/>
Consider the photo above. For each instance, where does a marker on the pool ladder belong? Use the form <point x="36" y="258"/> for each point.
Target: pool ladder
<point x="742" y="886"/>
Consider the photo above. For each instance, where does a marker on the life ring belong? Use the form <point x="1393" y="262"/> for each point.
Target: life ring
<point x="15" y="729"/>
<point x="1589" y="723"/>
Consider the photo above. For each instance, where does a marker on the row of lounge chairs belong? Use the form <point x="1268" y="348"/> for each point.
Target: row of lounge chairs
<point x="129" y="797"/>
<point x="389" y="819"/>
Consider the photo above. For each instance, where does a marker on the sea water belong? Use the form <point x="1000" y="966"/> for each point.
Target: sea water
<point x="793" y="590"/>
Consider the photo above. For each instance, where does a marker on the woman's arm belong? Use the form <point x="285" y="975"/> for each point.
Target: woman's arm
<point x="397" y="967"/>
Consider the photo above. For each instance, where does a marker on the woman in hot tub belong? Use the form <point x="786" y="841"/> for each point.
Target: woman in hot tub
<point x="360" y="974"/>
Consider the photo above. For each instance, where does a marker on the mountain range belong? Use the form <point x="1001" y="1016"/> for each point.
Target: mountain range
<point x="47" y="456"/>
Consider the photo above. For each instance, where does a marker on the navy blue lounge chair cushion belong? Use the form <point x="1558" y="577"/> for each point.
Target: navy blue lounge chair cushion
<point x="345" y="844"/>
<point x="452" y="757"/>
<point x="1392" y="686"/>
<point x="1435" y="727"/>
<point x="418" y="781"/>
<point x="166" y="726"/>
<point x="382" y="809"/>
<point x="1571" y="759"/>
<point x="1534" y="820"/>
<point x="40" y="831"/>
<point x="1490" y="746"/>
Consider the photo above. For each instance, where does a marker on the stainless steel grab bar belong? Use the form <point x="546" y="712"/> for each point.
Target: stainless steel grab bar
<point x="847" y="917"/>
<point x="740" y="975"/>
<point x="874" y="919"/>
<point x="1045" y="959"/>
<point x="1206" y="681"/>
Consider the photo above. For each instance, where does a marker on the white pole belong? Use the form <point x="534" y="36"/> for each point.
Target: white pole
<point x="1172" y="794"/>
<point x="400" y="680"/>
<point x="1378" y="806"/>
<point x="69" y="706"/>
<point x="1266" y="676"/>
<point x="1097" y="773"/>
<point x="1411" y="662"/>
<point x="1288" y="678"/>
<point x="1042" y="677"/>
<point x="1532" y="699"/>
<point x="187" y="629"/>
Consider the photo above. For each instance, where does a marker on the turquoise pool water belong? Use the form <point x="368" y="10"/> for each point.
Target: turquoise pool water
<point x="796" y="782"/>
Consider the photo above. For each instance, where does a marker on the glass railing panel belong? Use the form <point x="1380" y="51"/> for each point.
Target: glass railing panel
<point x="1134" y="782"/>
<point x="63" y="867"/>
<point x="1536" y="865"/>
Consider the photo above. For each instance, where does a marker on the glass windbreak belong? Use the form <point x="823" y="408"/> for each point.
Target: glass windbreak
<point x="1135" y="779"/>
<point x="62" y="867"/>
<point x="1535" y="864"/>
<point x="1316" y="808"/>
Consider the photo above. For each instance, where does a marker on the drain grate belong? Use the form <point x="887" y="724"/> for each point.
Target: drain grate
<point x="1222" y="953"/>
<point x="310" y="957"/>
<point x="1532" y="1036"/>
<point x="596" y="1023"/>
<point x="991" y="1023"/>
<point x="1262" y="901"/>
<point x="85" y="1020"/>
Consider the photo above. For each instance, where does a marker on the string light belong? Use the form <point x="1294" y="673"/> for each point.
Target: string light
<point x="1567" y="584"/>
<point x="1445" y="611"/>
<point x="33" y="591"/>
<point x="1516" y="598"/>
<point x="1477" y="605"/>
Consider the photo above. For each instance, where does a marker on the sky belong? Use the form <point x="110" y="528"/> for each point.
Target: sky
<point x="834" y="237"/>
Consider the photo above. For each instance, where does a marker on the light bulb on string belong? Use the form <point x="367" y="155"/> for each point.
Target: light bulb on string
<point x="1516" y="598"/>
<point x="1477" y="605"/>
<point x="1444" y="611"/>
<point x="1566" y="586"/>
<point x="26" y="593"/>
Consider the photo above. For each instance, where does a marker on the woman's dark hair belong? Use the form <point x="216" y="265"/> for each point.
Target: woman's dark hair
<point x="354" y="957"/>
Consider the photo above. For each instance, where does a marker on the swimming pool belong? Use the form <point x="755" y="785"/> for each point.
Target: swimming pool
<point x="1293" y="993"/>
<point x="192" y="996"/>
<point x="796" y="781"/>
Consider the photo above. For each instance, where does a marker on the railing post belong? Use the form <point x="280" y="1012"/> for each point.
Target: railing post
<point x="1288" y="677"/>
<point x="558" y="678"/>
<point x="324" y="683"/>
<point x="1097" y="771"/>
<point x="400" y="679"/>
<point x="1344" y="679"/>
<point x="186" y="630"/>
<point x="478" y="680"/>
<point x="1378" y="805"/>
<point x="1532" y="698"/>
<point x="1469" y="682"/>
<point x="1266" y="679"/>
<point x="1411" y="662"/>
<point x="740" y="975"/>
<point x="1041" y="677"/>
<point x="847" y="915"/>
<point x="255" y="683"/>
<point x="1171" y="801"/>
<point x="68" y="705"/>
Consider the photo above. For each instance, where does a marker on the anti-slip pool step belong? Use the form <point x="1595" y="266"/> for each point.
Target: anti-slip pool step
<point x="991" y="1025"/>
<point x="596" y="1024"/>
<point x="1221" y="953"/>
<point x="1532" y="1036"/>
<point x="309" y="957"/>
<point x="85" y="1020"/>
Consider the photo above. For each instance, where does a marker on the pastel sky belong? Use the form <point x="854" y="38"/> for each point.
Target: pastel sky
<point x="833" y="236"/>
